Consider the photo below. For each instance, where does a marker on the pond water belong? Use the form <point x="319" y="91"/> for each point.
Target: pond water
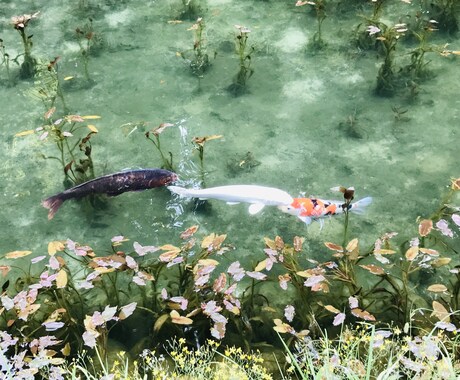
<point x="310" y="119"/>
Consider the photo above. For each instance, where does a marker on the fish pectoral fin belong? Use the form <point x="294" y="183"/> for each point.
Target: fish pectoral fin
<point x="232" y="203"/>
<point x="256" y="208"/>
<point x="306" y="219"/>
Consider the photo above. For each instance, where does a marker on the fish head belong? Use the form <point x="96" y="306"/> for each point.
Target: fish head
<point x="289" y="209"/>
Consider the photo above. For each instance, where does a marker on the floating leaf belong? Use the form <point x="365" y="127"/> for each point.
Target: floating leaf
<point x="270" y="243"/>
<point x="55" y="246"/>
<point x="61" y="279"/>
<point x="374" y="269"/>
<point x="298" y="242"/>
<point x="441" y="262"/>
<point x="68" y="78"/>
<point x="384" y="251"/>
<point x="282" y="327"/>
<point x="261" y="266"/>
<point x="160" y="322"/>
<point x="425" y="227"/>
<point x="437" y="288"/>
<point x="178" y="319"/>
<point x="334" y="247"/>
<point x="440" y="312"/>
<point x="412" y="253"/>
<point x="24" y="133"/>
<point x="429" y="251"/>
<point x="17" y="254"/>
<point x="90" y="117"/>
<point x="50" y="112"/>
<point x="363" y="314"/>
<point x="332" y="309"/>
<point x="352" y="245"/>
<point x="92" y="128"/>
<point x="188" y="232"/>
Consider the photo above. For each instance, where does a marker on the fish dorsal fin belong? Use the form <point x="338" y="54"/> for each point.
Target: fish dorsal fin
<point x="305" y="219"/>
<point x="232" y="203"/>
<point x="256" y="208"/>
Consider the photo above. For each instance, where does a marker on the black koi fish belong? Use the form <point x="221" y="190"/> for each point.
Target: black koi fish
<point x="112" y="185"/>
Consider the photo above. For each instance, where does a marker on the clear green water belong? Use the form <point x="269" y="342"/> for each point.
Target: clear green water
<point x="290" y="120"/>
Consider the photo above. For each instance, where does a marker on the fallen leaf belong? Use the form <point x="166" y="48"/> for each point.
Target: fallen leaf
<point x="384" y="251"/>
<point x="363" y="314"/>
<point x="188" y="232"/>
<point x="440" y="262"/>
<point x="92" y="128"/>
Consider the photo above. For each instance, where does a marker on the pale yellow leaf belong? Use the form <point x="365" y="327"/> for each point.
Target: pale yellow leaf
<point x="261" y="266"/>
<point x="55" y="246"/>
<point x="412" y="253"/>
<point x="68" y="78"/>
<point x="352" y="245"/>
<point x="384" y="251"/>
<point x="178" y="319"/>
<point x="160" y="321"/>
<point x="437" y="288"/>
<point x="92" y="128"/>
<point x="440" y="312"/>
<point x="24" y="133"/>
<point x="61" y="279"/>
<point x="91" y="117"/>
<point x="440" y="262"/>
<point x="332" y="309"/>
<point x="17" y="254"/>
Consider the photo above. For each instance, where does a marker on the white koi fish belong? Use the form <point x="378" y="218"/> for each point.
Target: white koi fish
<point x="257" y="196"/>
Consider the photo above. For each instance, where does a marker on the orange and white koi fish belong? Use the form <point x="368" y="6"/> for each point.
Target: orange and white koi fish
<point x="308" y="209"/>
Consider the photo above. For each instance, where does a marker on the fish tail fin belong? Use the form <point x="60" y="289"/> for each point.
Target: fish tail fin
<point x="359" y="206"/>
<point x="52" y="204"/>
<point x="182" y="192"/>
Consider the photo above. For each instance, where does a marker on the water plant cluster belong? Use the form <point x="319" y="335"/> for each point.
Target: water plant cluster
<point x="196" y="290"/>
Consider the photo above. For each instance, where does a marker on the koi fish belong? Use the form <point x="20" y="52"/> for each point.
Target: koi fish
<point x="257" y="196"/>
<point x="112" y="185"/>
<point x="308" y="209"/>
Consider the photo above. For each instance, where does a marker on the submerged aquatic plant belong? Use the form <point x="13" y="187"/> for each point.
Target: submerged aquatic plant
<point x="191" y="9"/>
<point x="5" y="61"/>
<point x="239" y="85"/>
<point x="47" y="85"/>
<point x="242" y="164"/>
<point x="20" y="23"/>
<point x="200" y="61"/>
<point x="75" y="148"/>
<point x="320" y="10"/>
<point x="199" y="143"/>
<point x="389" y="37"/>
<point x="167" y="163"/>
<point x="445" y="12"/>
<point x="86" y="38"/>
